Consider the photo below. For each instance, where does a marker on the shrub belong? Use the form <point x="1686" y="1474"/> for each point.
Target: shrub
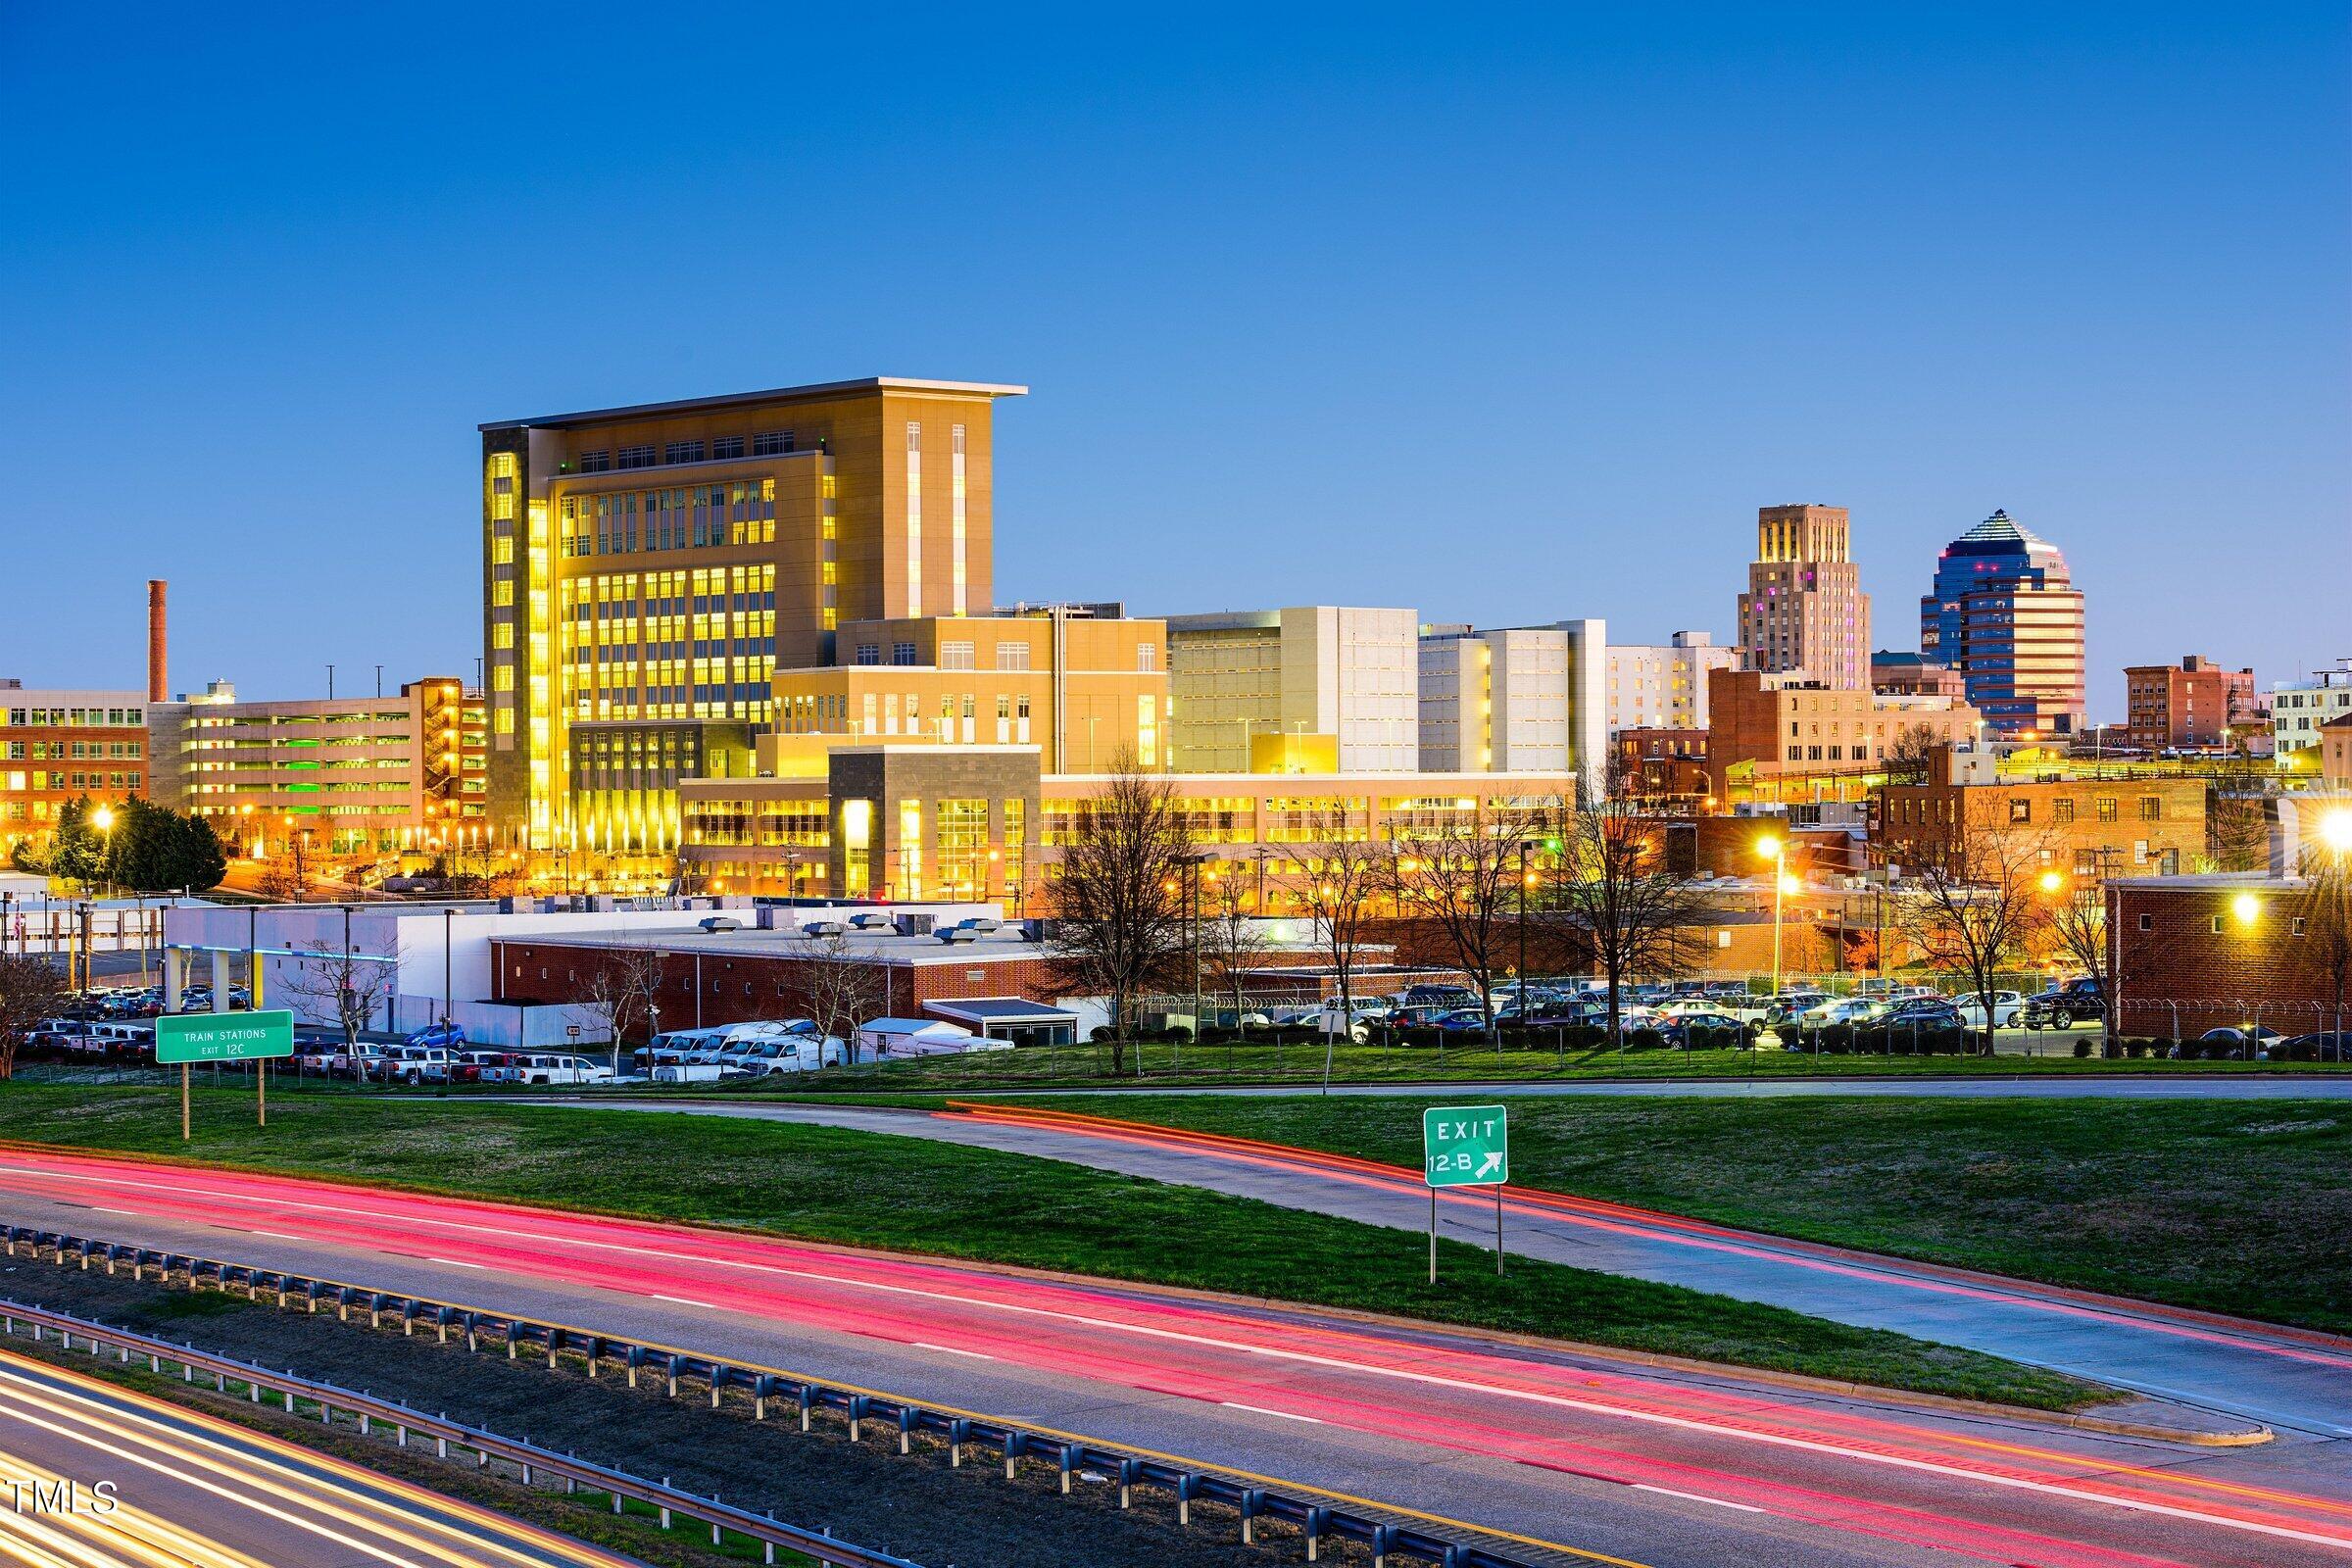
<point x="1101" y="1033"/>
<point x="1643" y="1038"/>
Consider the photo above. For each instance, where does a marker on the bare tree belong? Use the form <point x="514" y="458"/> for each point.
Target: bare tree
<point x="1908" y="756"/>
<point x="341" y="984"/>
<point x="30" y="988"/>
<point x="291" y="875"/>
<point x="1341" y="874"/>
<point x="1232" y="942"/>
<point x="1119" y="892"/>
<point x="842" y="989"/>
<point x="1464" y="885"/>
<point x="623" y="990"/>
<point x="2238" y="813"/>
<point x="1612" y="884"/>
<point x="1976" y="904"/>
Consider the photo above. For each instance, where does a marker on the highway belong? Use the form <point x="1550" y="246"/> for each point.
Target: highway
<point x="1977" y="1086"/>
<point x="154" y="1484"/>
<point x="1584" y="1452"/>
<point x="2282" y="1378"/>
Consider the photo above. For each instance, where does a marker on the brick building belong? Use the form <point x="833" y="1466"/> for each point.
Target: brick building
<point x="2087" y="827"/>
<point x="1778" y="739"/>
<point x="2230" y="949"/>
<point x="2192" y="704"/>
<point x="56" y="746"/>
<point x="1658" y="764"/>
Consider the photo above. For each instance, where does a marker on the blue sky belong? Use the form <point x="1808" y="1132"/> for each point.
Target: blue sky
<point x="1505" y="314"/>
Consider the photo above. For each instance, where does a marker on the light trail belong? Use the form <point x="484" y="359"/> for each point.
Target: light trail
<point x="1431" y="1387"/>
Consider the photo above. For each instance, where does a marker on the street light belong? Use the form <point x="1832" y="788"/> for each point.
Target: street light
<point x="2335" y="829"/>
<point x="2247" y="907"/>
<point x="1775" y="851"/>
<point x="103" y="820"/>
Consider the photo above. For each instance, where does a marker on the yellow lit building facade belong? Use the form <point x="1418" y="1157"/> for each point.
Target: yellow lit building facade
<point x="647" y="570"/>
<point x="1082" y="684"/>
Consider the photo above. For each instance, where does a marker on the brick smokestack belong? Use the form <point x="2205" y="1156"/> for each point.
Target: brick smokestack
<point x="158" y="680"/>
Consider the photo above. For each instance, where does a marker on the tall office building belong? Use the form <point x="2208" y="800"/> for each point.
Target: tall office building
<point x="1663" y="685"/>
<point x="2005" y="613"/>
<point x="1516" y="700"/>
<point x="1240" y="682"/>
<point x="1804" y="611"/>
<point x="647" y="569"/>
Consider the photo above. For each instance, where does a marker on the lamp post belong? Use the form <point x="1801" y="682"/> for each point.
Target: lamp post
<point x="1776" y="850"/>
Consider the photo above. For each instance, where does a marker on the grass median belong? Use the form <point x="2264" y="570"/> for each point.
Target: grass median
<point x="2230" y="1205"/>
<point x="879" y="1191"/>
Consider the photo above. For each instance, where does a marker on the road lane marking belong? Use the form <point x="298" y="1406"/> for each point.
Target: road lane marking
<point x="454" y="1262"/>
<point x="950" y="1349"/>
<point x="1693" y="1497"/>
<point x="1714" y="1427"/>
<point x="1285" y="1415"/>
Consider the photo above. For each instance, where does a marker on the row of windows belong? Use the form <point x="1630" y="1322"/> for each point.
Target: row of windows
<point x="74" y="717"/>
<point x="74" y="751"/>
<point x="42" y="779"/>
<point x="721" y="449"/>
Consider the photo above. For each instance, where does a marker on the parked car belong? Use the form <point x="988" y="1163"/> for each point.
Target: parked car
<point x="1921" y="1012"/>
<point x="2324" y="1045"/>
<point x="2062" y="1006"/>
<point x="486" y="1067"/>
<point x="1841" y="1009"/>
<point x="1439" y="996"/>
<point x="451" y="1036"/>
<point x="2256" y="1035"/>
<point x="2008" y="1009"/>
<point x="1678" y="1027"/>
<point x="1789" y="1005"/>
<point x="557" y="1067"/>
<point x="416" y="1064"/>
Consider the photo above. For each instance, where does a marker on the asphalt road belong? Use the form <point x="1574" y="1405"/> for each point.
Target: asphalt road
<point x="1586" y="1452"/>
<point x="2279" y="1377"/>
<point x="2087" y="1086"/>
<point x="186" y="1488"/>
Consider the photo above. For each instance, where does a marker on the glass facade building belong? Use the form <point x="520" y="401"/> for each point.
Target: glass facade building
<point x="2005" y="613"/>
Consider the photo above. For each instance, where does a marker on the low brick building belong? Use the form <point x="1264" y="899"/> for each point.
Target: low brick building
<point x="2227" y="948"/>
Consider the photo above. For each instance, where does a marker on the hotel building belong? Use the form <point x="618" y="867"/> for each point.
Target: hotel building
<point x="647" y="569"/>
<point x="2005" y="613"/>
<point x="361" y="774"/>
<point x="1804" y="613"/>
<point x="1248" y="687"/>
<point x="1664" y="686"/>
<point x="58" y="746"/>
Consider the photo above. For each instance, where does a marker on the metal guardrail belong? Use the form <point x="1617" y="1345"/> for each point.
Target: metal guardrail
<point x="1250" y="1497"/>
<point x="531" y="1459"/>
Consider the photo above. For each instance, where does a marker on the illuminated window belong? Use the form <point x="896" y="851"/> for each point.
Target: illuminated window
<point x="915" y="517"/>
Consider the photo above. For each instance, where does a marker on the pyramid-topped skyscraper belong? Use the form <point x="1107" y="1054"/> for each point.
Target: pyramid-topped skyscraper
<point x="2005" y="613"/>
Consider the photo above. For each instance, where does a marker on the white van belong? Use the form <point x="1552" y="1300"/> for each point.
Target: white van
<point x="676" y="1046"/>
<point x="793" y="1053"/>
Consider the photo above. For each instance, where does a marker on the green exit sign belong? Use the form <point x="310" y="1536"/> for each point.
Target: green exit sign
<point x="1466" y="1145"/>
<point x="222" y="1036"/>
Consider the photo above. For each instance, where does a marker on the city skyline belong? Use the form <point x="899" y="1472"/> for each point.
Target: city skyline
<point x="1334" y="378"/>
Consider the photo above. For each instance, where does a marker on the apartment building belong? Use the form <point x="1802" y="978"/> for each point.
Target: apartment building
<point x="1348" y="674"/>
<point x="2005" y="613"/>
<point x="1515" y="699"/>
<point x="2301" y="709"/>
<point x="58" y="746"/>
<point x="1084" y="684"/>
<point x="650" y="568"/>
<point x="1663" y="685"/>
<point x="359" y="775"/>
<point x="2193" y="705"/>
<point x="1804" y="613"/>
